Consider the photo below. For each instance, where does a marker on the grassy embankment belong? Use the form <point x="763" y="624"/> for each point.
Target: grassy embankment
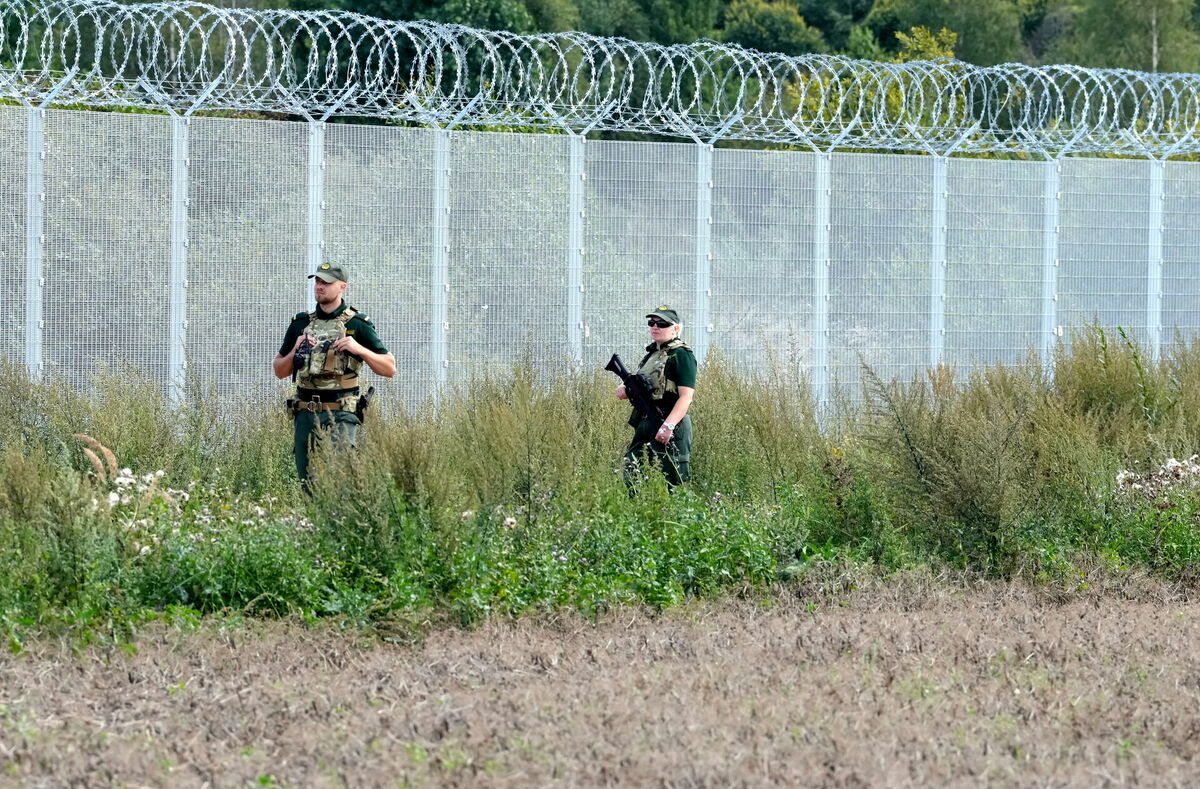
<point x="506" y="499"/>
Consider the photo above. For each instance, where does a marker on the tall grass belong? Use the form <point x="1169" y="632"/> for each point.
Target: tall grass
<point x="506" y="495"/>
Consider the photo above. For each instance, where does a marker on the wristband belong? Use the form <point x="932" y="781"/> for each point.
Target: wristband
<point x="669" y="426"/>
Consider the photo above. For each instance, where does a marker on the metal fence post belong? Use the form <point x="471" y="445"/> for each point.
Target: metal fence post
<point x="439" y="286"/>
<point x="576" y="175"/>
<point x="35" y="203"/>
<point x="177" y="272"/>
<point x="177" y="309"/>
<point x="440" y="281"/>
<point x="1154" y="255"/>
<point x="937" y="273"/>
<point x="1052" y="170"/>
<point x="316" y="202"/>
<point x="822" y="214"/>
<point x="704" y="220"/>
<point x="35" y="237"/>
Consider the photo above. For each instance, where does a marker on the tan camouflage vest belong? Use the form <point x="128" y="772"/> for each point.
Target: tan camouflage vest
<point x="327" y="368"/>
<point x="654" y="368"/>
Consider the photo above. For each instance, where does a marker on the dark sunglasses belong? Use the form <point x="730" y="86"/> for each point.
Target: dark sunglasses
<point x="659" y="324"/>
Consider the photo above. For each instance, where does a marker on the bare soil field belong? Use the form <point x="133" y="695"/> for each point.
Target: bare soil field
<point x="898" y="682"/>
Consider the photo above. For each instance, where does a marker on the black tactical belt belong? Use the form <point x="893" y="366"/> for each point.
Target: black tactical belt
<point x="324" y="395"/>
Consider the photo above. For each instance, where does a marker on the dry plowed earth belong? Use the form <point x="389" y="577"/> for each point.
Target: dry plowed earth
<point x="895" y="682"/>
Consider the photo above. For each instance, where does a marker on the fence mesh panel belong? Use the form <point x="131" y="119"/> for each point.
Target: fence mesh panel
<point x="994" y="255"/>
<point x="639" y="242"/>
<point x="378" y="211"/>
<point x="762" y="286"/>
<point x="246" y="261"/>
<point x="508" y="247"/>
<point x="12" y="232"/>
<point x="107" y="208"/>
<point x="1181" y="252"/>
<point x="1103" y="248"/>
<point x="879" y="277"/>
<point x="906" y="260"/>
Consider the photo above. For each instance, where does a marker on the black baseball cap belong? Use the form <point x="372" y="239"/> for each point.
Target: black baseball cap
<point x="666" y="313"/>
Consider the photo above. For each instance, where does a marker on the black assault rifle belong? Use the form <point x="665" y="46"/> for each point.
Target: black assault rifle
<point x="637" y="389"/>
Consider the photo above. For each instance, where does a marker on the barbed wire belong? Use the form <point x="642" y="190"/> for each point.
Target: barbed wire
<point x="181" y="57"/>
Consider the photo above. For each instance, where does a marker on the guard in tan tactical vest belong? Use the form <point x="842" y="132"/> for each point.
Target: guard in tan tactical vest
<point x="323" y="351"/>
<point x="669" y="367"/>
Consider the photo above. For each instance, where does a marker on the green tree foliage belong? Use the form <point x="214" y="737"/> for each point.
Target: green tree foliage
<point x="989" y="31"/>
<point x="623" y="18"/>
<point x="836" y="19"/>
<point x="1043" y="25"/>
<point x="553" y="15"/>
<point x="488" y="14"/>
<point x="863" y="44"/>
<point x="1147" y="35"/>
<point x="681" y="21"/>
<point x="385" y="9"/>
<point x="921" y="43"/>
<point x="771" y="26"/>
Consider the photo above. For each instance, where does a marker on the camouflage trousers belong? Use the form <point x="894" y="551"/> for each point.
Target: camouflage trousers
<point x="312" y="428"/>
<point x="674" y="459"/>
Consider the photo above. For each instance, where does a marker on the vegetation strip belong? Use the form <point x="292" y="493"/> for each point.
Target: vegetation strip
<point x="506" y="499"/>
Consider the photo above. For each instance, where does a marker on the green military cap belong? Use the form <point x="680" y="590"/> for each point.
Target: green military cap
<point x="666" y="313"/>
<point x="328" y="273"/>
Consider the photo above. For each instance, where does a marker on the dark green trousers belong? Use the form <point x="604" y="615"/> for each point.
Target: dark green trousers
<point x="674" y="459"/>
<point x="311" y="428"/>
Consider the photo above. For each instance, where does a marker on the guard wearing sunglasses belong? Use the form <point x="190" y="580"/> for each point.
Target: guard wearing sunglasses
<point x="669" y="367"/>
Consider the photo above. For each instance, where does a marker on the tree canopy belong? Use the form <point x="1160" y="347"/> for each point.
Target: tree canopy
<point x="1148" y="35"/>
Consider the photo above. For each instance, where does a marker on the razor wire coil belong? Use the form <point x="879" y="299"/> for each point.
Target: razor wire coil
<point x="182" y="57"/>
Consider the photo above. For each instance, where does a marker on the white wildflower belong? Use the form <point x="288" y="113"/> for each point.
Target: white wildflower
<point x="113" y="498"/>
<point x="510" y="522"/>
